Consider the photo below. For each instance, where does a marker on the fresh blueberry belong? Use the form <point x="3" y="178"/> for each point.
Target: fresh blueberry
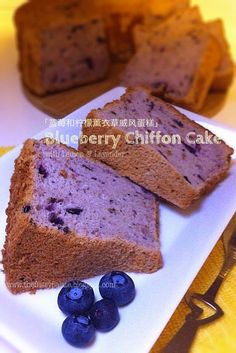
<point x="78" y="330"/>
<point x="117" y="286"/>
<point x="75" y="298"/>
<point x="104" y="315"/>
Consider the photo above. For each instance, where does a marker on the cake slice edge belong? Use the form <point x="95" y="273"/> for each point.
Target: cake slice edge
<point x="37" y="257"/>
<point x="136" y="164"/>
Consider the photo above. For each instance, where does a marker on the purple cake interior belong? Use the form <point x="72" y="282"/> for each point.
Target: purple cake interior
<point x="74" y="193"/>
<point x="197" y="162"/>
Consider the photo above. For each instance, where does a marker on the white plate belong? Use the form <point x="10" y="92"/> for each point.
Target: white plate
<point x="32" y="322"/>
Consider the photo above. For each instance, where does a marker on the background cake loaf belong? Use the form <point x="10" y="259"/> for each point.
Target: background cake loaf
<point x="179" y="171"/>
<point x="165" y="44"/>
<point x="61" y="44"/>
<point x="121" y="16"/>
<point x="70" y="217"/>
<point x="179" y="67"/>
<point x="156" y="27"/>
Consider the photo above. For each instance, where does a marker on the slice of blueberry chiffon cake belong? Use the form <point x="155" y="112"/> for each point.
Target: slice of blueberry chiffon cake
<point x="159" y="148"/>
<point x="178" y="66"/>
<point x="70" y="217"/>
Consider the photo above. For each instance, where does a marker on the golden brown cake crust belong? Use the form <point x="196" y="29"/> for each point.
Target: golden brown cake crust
<point x="37" y="257"/>
<point x="225" y="72"/>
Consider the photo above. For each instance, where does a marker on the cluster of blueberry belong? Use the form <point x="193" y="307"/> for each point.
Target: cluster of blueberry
<point x="76" y="300"/>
